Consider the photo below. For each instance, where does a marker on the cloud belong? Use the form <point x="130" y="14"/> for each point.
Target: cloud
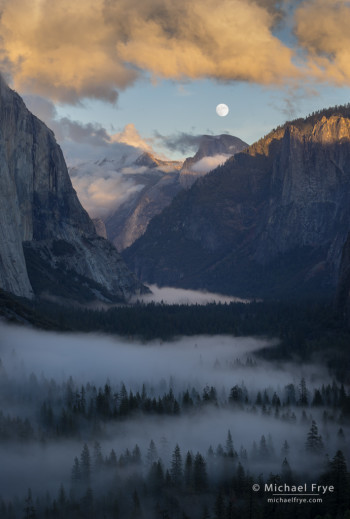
<point x="322" y="29"/>
<point x="64" y="128"/>
<point x="68" y="50"/>
<point x="63" y="50"/>
<point x="208" y="163"/>
<point x="181" y="141"/>
<point x="101" y="191"/>
<point x="86" y="134"/>
<point x="131" y="136"/>
<point x="201" y="39"/>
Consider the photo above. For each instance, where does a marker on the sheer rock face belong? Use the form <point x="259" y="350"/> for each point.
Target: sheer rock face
<point x="271" y="222"/>
<point x="39" y="208"/>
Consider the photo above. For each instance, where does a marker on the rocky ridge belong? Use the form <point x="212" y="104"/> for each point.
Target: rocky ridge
<point x="162" y="181"/>
<point x="270" y="222"/>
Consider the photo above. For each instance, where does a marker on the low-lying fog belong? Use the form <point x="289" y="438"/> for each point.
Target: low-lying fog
<point x="181" y="296"/>
<point x="189" y="361"/>
<point x="186" y="363"/>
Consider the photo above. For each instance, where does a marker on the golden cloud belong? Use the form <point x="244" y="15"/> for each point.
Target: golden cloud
<point x="62" y="49"/>
<point x="68" y="50"/>
<point x="131" y="137"/>
<point x="226" y="40"/>
<point x="322" y="29"/>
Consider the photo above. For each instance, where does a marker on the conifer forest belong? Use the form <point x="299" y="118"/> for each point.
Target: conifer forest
<point x="192" y="426"/>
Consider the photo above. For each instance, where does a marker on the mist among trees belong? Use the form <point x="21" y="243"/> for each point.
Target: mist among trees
<point x="97" y="427"/>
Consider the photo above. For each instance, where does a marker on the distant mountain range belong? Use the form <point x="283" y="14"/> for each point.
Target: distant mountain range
<point x="270" y="222"/>
<point x="147" y="184"/>
<point x="48" y="243"/>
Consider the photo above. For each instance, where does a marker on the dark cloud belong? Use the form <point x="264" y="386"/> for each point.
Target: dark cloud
<point x="64" y="128"/>
<point x="181" y="141"/>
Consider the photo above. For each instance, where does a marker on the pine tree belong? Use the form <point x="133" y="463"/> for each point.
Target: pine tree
<point x="229" y="445"/>
<point x="276" y="402"/>
<point x="303" y="393"/>
<point x="339" y="477"/>
<point x="258" y="400"/>
<point x="219" y="507"/>
<point x="286" y="471"/>
<point x="314" y="442"/>
<point x="241" y="480"/>
<point x="85" y="465"/>
<point x="136" y="511"/>
<point x="285" y="448"/>
<point x="87" y="504"/>
<point x="188" y="472"/>
<point x="97" y="457"/>
<point x="124" y="401"/>
<point x="112" y="460"/>
<point x="62" y="496"/>
<point x="29" y="510"/>
<point x="156" y="477"/>
<point x="200" y="478"/>
<point x="176" y="467"/>
<point x="152" y="453"/>
<point x="136" y="455"/>
<point x="263" y="450"/>
<point x="76" y="479"/>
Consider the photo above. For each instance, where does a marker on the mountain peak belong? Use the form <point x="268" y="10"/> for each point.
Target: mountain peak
<point x="219" y="146"/>
<point x="147" y="159"/>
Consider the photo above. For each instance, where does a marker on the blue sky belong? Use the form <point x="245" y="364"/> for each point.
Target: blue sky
<point x="90" y="68"/>
<point x="170" y="108"/>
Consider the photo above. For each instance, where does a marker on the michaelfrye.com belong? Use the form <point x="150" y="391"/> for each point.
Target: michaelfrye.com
<point x="284" y="493"/>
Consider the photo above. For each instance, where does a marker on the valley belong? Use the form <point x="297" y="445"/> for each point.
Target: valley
<point x="104" y="425"/>
<point x="203" y="369"/>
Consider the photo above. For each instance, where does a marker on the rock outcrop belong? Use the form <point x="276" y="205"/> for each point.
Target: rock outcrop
<point x="271" y="222"/>
<point x="47" y="241"/>
<point x="100" y="227"/>
<point x="220" y="146"/>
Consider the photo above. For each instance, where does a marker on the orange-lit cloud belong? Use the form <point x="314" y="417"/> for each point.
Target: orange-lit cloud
<point x="131" y="137"/>
<point x="225" y="40"/>
<point x="69" y="50"/>
<point x="322" y="29"/>
<point x="62" y="49"/>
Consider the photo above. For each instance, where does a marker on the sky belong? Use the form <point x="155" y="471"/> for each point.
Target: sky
<point x="101" y="72"/>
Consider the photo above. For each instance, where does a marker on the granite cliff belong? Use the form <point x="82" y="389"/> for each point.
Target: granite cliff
<point x="48" y="243"/>
<point x="270" y="222"/>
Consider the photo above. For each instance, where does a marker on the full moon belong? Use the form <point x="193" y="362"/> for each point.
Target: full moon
<point x="222" y="110"/>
